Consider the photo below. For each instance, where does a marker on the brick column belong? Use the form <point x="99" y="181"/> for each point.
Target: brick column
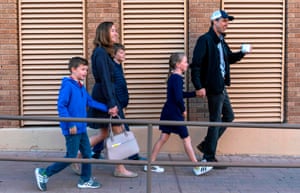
<point x="98" y="11"/>
<point x="9" y="62"/>
<point x="199" y="13"/>
<point x="292" y="63"/>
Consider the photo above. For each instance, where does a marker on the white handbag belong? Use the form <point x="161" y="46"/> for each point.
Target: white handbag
<point x="120" y="146"/>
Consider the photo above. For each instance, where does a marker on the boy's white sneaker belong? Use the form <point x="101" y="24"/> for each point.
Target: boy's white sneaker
<point x="88" y="184"/>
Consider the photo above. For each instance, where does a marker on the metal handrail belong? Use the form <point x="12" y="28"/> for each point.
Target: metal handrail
<point x="150" y="124"/>
<point x="154" y="122"/>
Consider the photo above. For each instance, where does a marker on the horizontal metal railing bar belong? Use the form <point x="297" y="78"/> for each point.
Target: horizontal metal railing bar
<point x="71" y="160"/>
<point x="156" y="122"/>
<point x="161" y="163"/>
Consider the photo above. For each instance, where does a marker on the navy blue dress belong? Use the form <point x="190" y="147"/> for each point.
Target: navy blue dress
<point x="174" y="106"/>
<point x="104" y="87"/>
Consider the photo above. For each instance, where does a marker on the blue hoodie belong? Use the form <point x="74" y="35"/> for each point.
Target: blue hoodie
<point x="73" y="101"/>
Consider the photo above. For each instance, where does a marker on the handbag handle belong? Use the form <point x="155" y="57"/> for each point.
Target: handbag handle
<point x="110" y="131"/>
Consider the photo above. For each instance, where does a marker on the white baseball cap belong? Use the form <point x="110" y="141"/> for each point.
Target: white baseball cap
<point x="221" y="13"/>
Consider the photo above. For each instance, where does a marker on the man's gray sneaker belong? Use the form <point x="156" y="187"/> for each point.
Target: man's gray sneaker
<point x="41" y="178"/>
<point x="89" y="184"/>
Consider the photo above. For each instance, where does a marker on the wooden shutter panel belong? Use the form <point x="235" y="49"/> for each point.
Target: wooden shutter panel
<point x="51" y="32"/>
<point x="256" y="89"/>
<point x="151" y="30"/>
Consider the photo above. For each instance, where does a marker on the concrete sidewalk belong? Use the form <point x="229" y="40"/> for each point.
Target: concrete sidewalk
<point x="18" y="177"/>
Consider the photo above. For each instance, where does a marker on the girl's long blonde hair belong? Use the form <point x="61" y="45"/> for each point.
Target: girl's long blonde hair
<point x="174" y="59"/>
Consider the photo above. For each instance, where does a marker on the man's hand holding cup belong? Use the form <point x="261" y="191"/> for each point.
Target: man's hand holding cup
<point x="246" y="48"/>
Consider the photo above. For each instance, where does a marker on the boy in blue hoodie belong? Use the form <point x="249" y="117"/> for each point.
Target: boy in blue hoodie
<point x="73" y="100"/>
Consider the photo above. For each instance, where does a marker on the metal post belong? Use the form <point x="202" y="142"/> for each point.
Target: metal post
<point x="149" y="154"/>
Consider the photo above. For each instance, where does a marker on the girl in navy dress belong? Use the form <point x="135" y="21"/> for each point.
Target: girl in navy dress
<point x="174" y="110"/>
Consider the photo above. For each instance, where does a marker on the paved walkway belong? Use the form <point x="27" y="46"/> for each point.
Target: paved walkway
<point x="18" y="177"/>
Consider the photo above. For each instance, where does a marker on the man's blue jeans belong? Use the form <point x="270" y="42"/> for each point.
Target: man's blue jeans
<point x="220" y="110"/>
<point x="73" y="144"/>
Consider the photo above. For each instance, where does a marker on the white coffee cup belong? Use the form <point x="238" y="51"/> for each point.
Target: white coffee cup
<point x="246" y="48"/>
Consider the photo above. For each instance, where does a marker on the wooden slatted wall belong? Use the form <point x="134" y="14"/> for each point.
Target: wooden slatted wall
<point x="151" y="30"/>
<point x="257" y="81"/>
<point x="51" y="32"/>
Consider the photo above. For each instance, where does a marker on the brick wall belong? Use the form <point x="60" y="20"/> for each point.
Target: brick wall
<point x="199" y="12"/>
<point x="9" y="68"/>
<point x="292" y="63"/>
<point x="98" y="11"/>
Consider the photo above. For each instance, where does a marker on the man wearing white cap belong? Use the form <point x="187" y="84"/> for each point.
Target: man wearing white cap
<point x="210" y="73"/>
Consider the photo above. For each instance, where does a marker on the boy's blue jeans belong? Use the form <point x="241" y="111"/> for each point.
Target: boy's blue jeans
<point x="73" y="144"/>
